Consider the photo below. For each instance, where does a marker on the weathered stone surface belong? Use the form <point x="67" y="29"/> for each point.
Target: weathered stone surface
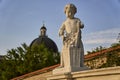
<point x="72" y="54"/>
<point x="72" y="61"/>
<point x="112" y="73"/>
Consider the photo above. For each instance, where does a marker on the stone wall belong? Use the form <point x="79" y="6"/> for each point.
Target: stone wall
<point x="96" y="60"/>
<point x="111" y="73"/>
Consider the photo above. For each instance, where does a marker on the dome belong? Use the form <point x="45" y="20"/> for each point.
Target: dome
<point x="49" y="43"/>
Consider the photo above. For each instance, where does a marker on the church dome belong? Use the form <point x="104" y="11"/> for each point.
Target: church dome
<point x="49" y="43"/>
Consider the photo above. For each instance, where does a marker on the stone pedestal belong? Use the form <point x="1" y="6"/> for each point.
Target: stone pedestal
<point x="112" y="73"/>
<point x="72" y="61"/>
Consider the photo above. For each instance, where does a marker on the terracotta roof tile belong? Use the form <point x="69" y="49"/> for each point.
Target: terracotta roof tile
<point x="54" y="66"/>
<point x="101" y="52"/>
<point x="36" y="72"/>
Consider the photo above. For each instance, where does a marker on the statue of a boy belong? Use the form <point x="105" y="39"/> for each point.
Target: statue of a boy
<point x="70" y="31"/>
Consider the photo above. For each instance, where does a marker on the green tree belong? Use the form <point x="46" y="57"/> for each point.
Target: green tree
<point x="97" y="49"/>
<point x="41" y="57"/>
<point x="12" y="61"/>
<point x="24" y="60"/>
<point x="115" y="44"/>
<point x="113" y="59"/>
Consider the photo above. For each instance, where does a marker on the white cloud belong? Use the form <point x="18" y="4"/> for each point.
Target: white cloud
<point x="106" y="36"/>
<point x="98" y="41"/>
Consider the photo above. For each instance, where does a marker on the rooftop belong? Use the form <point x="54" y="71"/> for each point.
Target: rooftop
<point x="54" y="66"/>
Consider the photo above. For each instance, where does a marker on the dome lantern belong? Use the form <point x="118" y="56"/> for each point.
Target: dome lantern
<point x="43" y="31"/>
<point x="43" y="39"/>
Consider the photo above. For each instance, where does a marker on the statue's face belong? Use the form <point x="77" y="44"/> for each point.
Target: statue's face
<point x="69" y="13"/>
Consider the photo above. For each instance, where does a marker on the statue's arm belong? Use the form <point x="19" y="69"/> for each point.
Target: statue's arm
<point x="61" y="31"/>
<point x="80" y="24"/>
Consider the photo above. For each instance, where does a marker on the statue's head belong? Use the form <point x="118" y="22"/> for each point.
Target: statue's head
<point x="70" y="8"/>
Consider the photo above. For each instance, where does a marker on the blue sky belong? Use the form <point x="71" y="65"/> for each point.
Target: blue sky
<point x="20" y="21"/>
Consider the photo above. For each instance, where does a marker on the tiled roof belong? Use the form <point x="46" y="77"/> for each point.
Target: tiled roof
<point x="54" y="66"/>
<point x="101" y="52"/>
<point x="36" y="72"/>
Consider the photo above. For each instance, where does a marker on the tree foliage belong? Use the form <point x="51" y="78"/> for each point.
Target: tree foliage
<point x="115" y="44"/>
<point x="97" y="49"/>
<point x="113" y="59"/>
<point x="24" y="59"/>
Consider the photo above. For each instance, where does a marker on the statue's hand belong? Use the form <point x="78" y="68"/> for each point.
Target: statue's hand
<point x="82" y="25"/>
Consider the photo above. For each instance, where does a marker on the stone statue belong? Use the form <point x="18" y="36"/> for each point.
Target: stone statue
<point x="70" y="29"/>
<point x="72" y="54"/>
